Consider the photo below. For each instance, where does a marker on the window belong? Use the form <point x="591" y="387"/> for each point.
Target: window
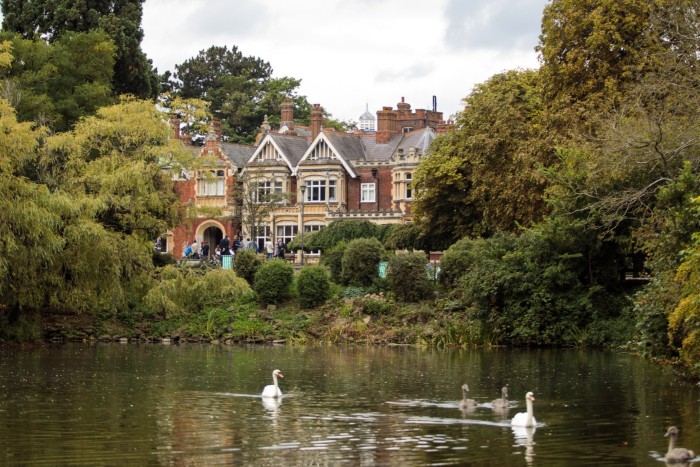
<point x="367" y="193"/>
<point x="211" y="183"/>
<point x="331" y="190"/>
<point x="313" y="228"/>
<point x="263" y="234"/>
<point x="266" y="189"/>
<point x="286" y="233"/>
<point x="315" y="190"/>
<point x="409" y="186"/>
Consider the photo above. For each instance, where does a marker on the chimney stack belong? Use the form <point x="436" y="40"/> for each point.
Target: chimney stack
<point x="316" y="119"/>
<point x="216" y="124"/>
<point x="175" y="125"/>
<point x="287" y="111"/>
<point x="386" y="124"/>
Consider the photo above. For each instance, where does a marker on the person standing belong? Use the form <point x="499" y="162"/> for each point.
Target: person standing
<point x="237" y="244"/>
<point x="195" y="249"/>
<point x="205" y="249"/>
<point x="269" y="248"/>
<point x="280" y="249"/>
<point x="225" y="245"/>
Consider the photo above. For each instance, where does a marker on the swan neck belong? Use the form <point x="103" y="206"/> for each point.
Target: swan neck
<point x="671" y="442"/>
<point x="274" y="379"/>
<point x="529" y="411"/>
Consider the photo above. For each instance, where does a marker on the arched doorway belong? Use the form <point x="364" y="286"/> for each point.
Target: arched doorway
<point x="212" y="233"/>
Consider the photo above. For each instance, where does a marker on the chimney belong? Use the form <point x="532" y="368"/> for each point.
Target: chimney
<point x="316" y="119"/>
<point x="287" y="111"/>
<point x="175" y="125"/>
<point x="216" y="124"/>
<point x="403" y="107"/>
<point x="386" y="124"/>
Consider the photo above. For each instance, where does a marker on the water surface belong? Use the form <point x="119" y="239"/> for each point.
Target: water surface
<point x="109" y="404"/>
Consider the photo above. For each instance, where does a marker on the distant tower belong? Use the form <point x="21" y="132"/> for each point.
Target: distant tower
<point x="367" y="121"/>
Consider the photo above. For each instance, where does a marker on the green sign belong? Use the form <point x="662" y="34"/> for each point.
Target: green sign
<point x="382" y="269"/>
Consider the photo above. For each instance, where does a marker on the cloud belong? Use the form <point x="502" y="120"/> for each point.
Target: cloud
<point x="416" y="71"/>
<point x="493" y="24"/>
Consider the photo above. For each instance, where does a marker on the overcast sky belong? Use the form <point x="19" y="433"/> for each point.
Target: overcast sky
<point x="353" y="53"/>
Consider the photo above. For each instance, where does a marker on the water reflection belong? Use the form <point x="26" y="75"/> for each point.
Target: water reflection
<point x="110" y="404"/>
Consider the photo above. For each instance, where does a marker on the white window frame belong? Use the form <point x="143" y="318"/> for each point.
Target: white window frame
<point x="308" y="228"/>
<point x="368" y="192"/>
<point x="264" y="188"/>
<point x="286" y="232"/>
<point x="409" y="187"/>
<point x="211" y="183"/>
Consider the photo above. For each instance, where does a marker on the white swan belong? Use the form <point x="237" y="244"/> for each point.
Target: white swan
<point x="466" y="403"/>
<point x="502" y="403"/>
<point x="675" y="454"/>
<point x="273" y="390"/>
<point x="523" y="418"/>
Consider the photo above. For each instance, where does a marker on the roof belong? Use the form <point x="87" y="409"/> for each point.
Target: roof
<point x="237" y="153"/>
<point x="292" y="147"/>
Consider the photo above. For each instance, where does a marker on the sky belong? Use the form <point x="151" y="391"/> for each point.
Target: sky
<point x="357" y="54"/>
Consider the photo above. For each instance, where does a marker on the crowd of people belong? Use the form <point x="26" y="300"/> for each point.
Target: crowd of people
<point x="200" y="250"/>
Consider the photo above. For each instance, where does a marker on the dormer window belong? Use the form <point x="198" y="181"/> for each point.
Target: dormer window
<point x="211" y="183"/>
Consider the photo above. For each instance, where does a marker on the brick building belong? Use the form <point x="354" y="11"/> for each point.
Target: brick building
<point x="303" y="176"/>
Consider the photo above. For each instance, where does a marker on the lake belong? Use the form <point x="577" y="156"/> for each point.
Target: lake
<point x="155" y="404"/>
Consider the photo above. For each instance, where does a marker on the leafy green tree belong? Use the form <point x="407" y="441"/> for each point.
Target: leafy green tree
<point x="407" y="277"/>
<point x="273" y="281"/>
<point x="246" y="265"/>
<point x="333" y="259"/>
<point x="342" y="231"/>
<point x="483" y="176"/>
<point x="121" y="20"/>
<point x="57" y="84"/>
<point x="361" y="260"/>
<point x="313" y="286"/>
<point x="239" y="88"/>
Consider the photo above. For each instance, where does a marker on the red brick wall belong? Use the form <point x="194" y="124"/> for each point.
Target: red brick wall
<point x="365" y="176"/>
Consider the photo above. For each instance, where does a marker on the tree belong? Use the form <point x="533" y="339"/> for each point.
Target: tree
<point x="239" y="88"/>
<point x="50" y="20"/>
<point x="57" y="84"/>
<point x="484" y="175"/>
<point x="361" y="260"/>
<point x="256" y="199"/>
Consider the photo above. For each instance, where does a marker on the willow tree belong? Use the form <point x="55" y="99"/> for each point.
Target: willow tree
<point x="84" y="243"/>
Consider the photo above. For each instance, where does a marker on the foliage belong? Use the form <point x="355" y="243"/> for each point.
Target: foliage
<point x="540" y="287"/>
<point x="313" y="286"/>
<point x="360" y="261"/>
<point x="483" y="176"/>
<point x="184" y="291"/>
<point x="273" y="281"/>
<point x="407" y="237"/>
<point x="239" y="88"/>
<point x="57" y="84"/>
<point x="593" y="47"/>
<point x="333" y="259"/>
<point x="343" y="231"/>
<point x="121" y="21"/>
<point x="246" y="265"/>
<point x="407" y="277"/>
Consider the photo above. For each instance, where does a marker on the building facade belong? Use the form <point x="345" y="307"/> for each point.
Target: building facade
<point x="299" y="177"/>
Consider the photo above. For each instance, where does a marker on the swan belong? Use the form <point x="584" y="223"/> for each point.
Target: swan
<point x="675" y="454"/>
<point x="466" y="403"/>
<point x="501" y="403"/>
<point x="525" y="419"/>
<point x="273" y="390"/>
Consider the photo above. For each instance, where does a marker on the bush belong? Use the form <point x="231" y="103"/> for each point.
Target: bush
<point x="313" y="286"/>
<point x="273" y="281"/>
<point x="407" y="276"/>
<point x="360" y="261"/>
<point x="246" y="265"/>
<point x="333" y="258"/>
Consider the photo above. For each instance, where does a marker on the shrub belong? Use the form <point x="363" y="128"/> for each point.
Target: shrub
<point x="273" y="281"/>
<point x="407" y="276"/>
<point x="313" y="286"/>
<point x="333" y="258"/>
<point x="360" y="261"/>
<point x="246" y="265"/>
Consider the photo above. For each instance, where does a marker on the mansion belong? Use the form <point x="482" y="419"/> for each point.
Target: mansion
<point x="304" y="177"/>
